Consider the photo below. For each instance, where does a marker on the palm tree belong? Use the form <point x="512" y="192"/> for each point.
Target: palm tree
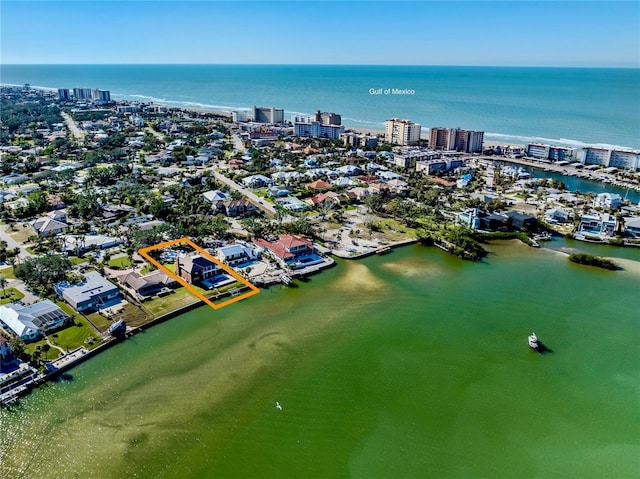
<point x="3" y="285"/>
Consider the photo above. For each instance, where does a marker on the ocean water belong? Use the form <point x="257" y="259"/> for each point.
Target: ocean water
<point x="567" y="106"/>
<point x="409" y="365"/>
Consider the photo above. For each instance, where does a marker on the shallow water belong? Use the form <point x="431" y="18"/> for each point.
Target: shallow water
<point x="411" y="364"/>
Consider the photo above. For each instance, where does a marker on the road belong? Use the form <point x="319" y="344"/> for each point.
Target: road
<point x="153" y="132"/>
<point x="73" y="127"/>
<point x="239" y="144"/>
<point x="252" y="197"/>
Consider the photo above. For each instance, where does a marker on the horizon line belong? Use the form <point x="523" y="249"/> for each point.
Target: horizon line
<point x="630" y="67"/>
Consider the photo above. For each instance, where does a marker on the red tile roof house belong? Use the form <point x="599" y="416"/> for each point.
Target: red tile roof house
<point x="319" y="185"/>
<point x="291" y="251"/>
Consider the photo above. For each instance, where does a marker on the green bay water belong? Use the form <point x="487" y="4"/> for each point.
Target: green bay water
<point x="411" y="364"/>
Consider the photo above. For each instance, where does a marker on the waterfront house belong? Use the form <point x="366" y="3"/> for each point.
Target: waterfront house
<point x="597" y="224"/>
<point x="470" y="218"/>
<point x="195" y="268"/>
<point x="238" y="253"/>
<point x="28" y="322"/>
<point x="93" y="292"/>
<point x="291" y="251"/>
<point x="6" y="354"/>
<point x="494" y="222"/>
<point x="632" y="227"/>
<point x="148" y="285"/>
<point x="607" y="201"/>
<point x="520" y="221"/>
<point x="556" y="216"/>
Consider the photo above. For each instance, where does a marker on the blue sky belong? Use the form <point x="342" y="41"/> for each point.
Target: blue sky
<point x="546" y="33"/>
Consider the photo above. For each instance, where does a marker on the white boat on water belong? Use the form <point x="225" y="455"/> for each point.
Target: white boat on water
<point x="533" y="341"/>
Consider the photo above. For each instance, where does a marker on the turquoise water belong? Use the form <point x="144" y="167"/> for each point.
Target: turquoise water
<point x="584" y="185"/>
<point x="569" y="106"/>
<point x="412" y="364"/>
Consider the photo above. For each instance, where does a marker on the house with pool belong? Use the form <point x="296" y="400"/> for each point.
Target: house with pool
<point x="240" y="254"/>
<point x="291" y="251"/>
<point x="198" y="270"/>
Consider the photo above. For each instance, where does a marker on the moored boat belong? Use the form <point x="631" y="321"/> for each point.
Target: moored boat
<point x="117" y="328"/>
<point x="533" y="341"/>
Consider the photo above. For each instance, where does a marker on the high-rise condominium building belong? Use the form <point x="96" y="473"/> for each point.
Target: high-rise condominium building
<point x="263" y="114"/>
<point x="456" y="139"/>
<point x="402" y="132"/>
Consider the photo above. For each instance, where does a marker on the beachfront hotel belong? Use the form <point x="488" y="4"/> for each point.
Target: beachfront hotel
<point x="456" y="139"/>
<point x="402" y="132"/>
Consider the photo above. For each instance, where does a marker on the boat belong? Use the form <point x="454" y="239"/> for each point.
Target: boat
<point x="533" y="341"/>
<point x="117" y="328"/>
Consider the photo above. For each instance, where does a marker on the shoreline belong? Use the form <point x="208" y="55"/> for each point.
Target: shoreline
<point x="516" y="142"/>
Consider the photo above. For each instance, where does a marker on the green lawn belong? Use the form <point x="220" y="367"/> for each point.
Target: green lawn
<point x="7" y="273"/>
<point x="159" y="306"/>
<point x="393" y="230"/>
<point x="122" y="262"/>
<point x="74" y="336"/>
<point x="77" y="260"/>
<point x="10" y="295"/>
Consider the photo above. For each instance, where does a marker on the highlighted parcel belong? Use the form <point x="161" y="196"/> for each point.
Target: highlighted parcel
<point x="203" y="275"/>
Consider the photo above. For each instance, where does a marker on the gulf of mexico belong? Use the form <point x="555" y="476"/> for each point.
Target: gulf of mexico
<point x="413" y="364"/>
<point x="571" y="106"/>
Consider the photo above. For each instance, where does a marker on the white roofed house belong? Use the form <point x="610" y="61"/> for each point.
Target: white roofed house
<point x="93" y="292"/>
<point x="29" y="322"/>
<point x="632" y="227"/>
<point x="596" y="224"/>
<point x="607" y="201"/>
<point x="257" y="181"/>
<point x="238" y="253"/>
<point x="216" y="198"/>
<point x="556" y="215"/>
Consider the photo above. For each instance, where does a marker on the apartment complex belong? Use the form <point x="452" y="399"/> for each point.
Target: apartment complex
<point x="552" y="153"/>
<point x="263" y="114"/>
<point x="402" y="132"/>
<point x="456" y="139"/>
<point x="323" y="125"/>
<point x="611" y="158"/>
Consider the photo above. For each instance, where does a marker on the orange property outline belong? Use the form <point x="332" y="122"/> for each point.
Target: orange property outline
<point x="253" y="289"/>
